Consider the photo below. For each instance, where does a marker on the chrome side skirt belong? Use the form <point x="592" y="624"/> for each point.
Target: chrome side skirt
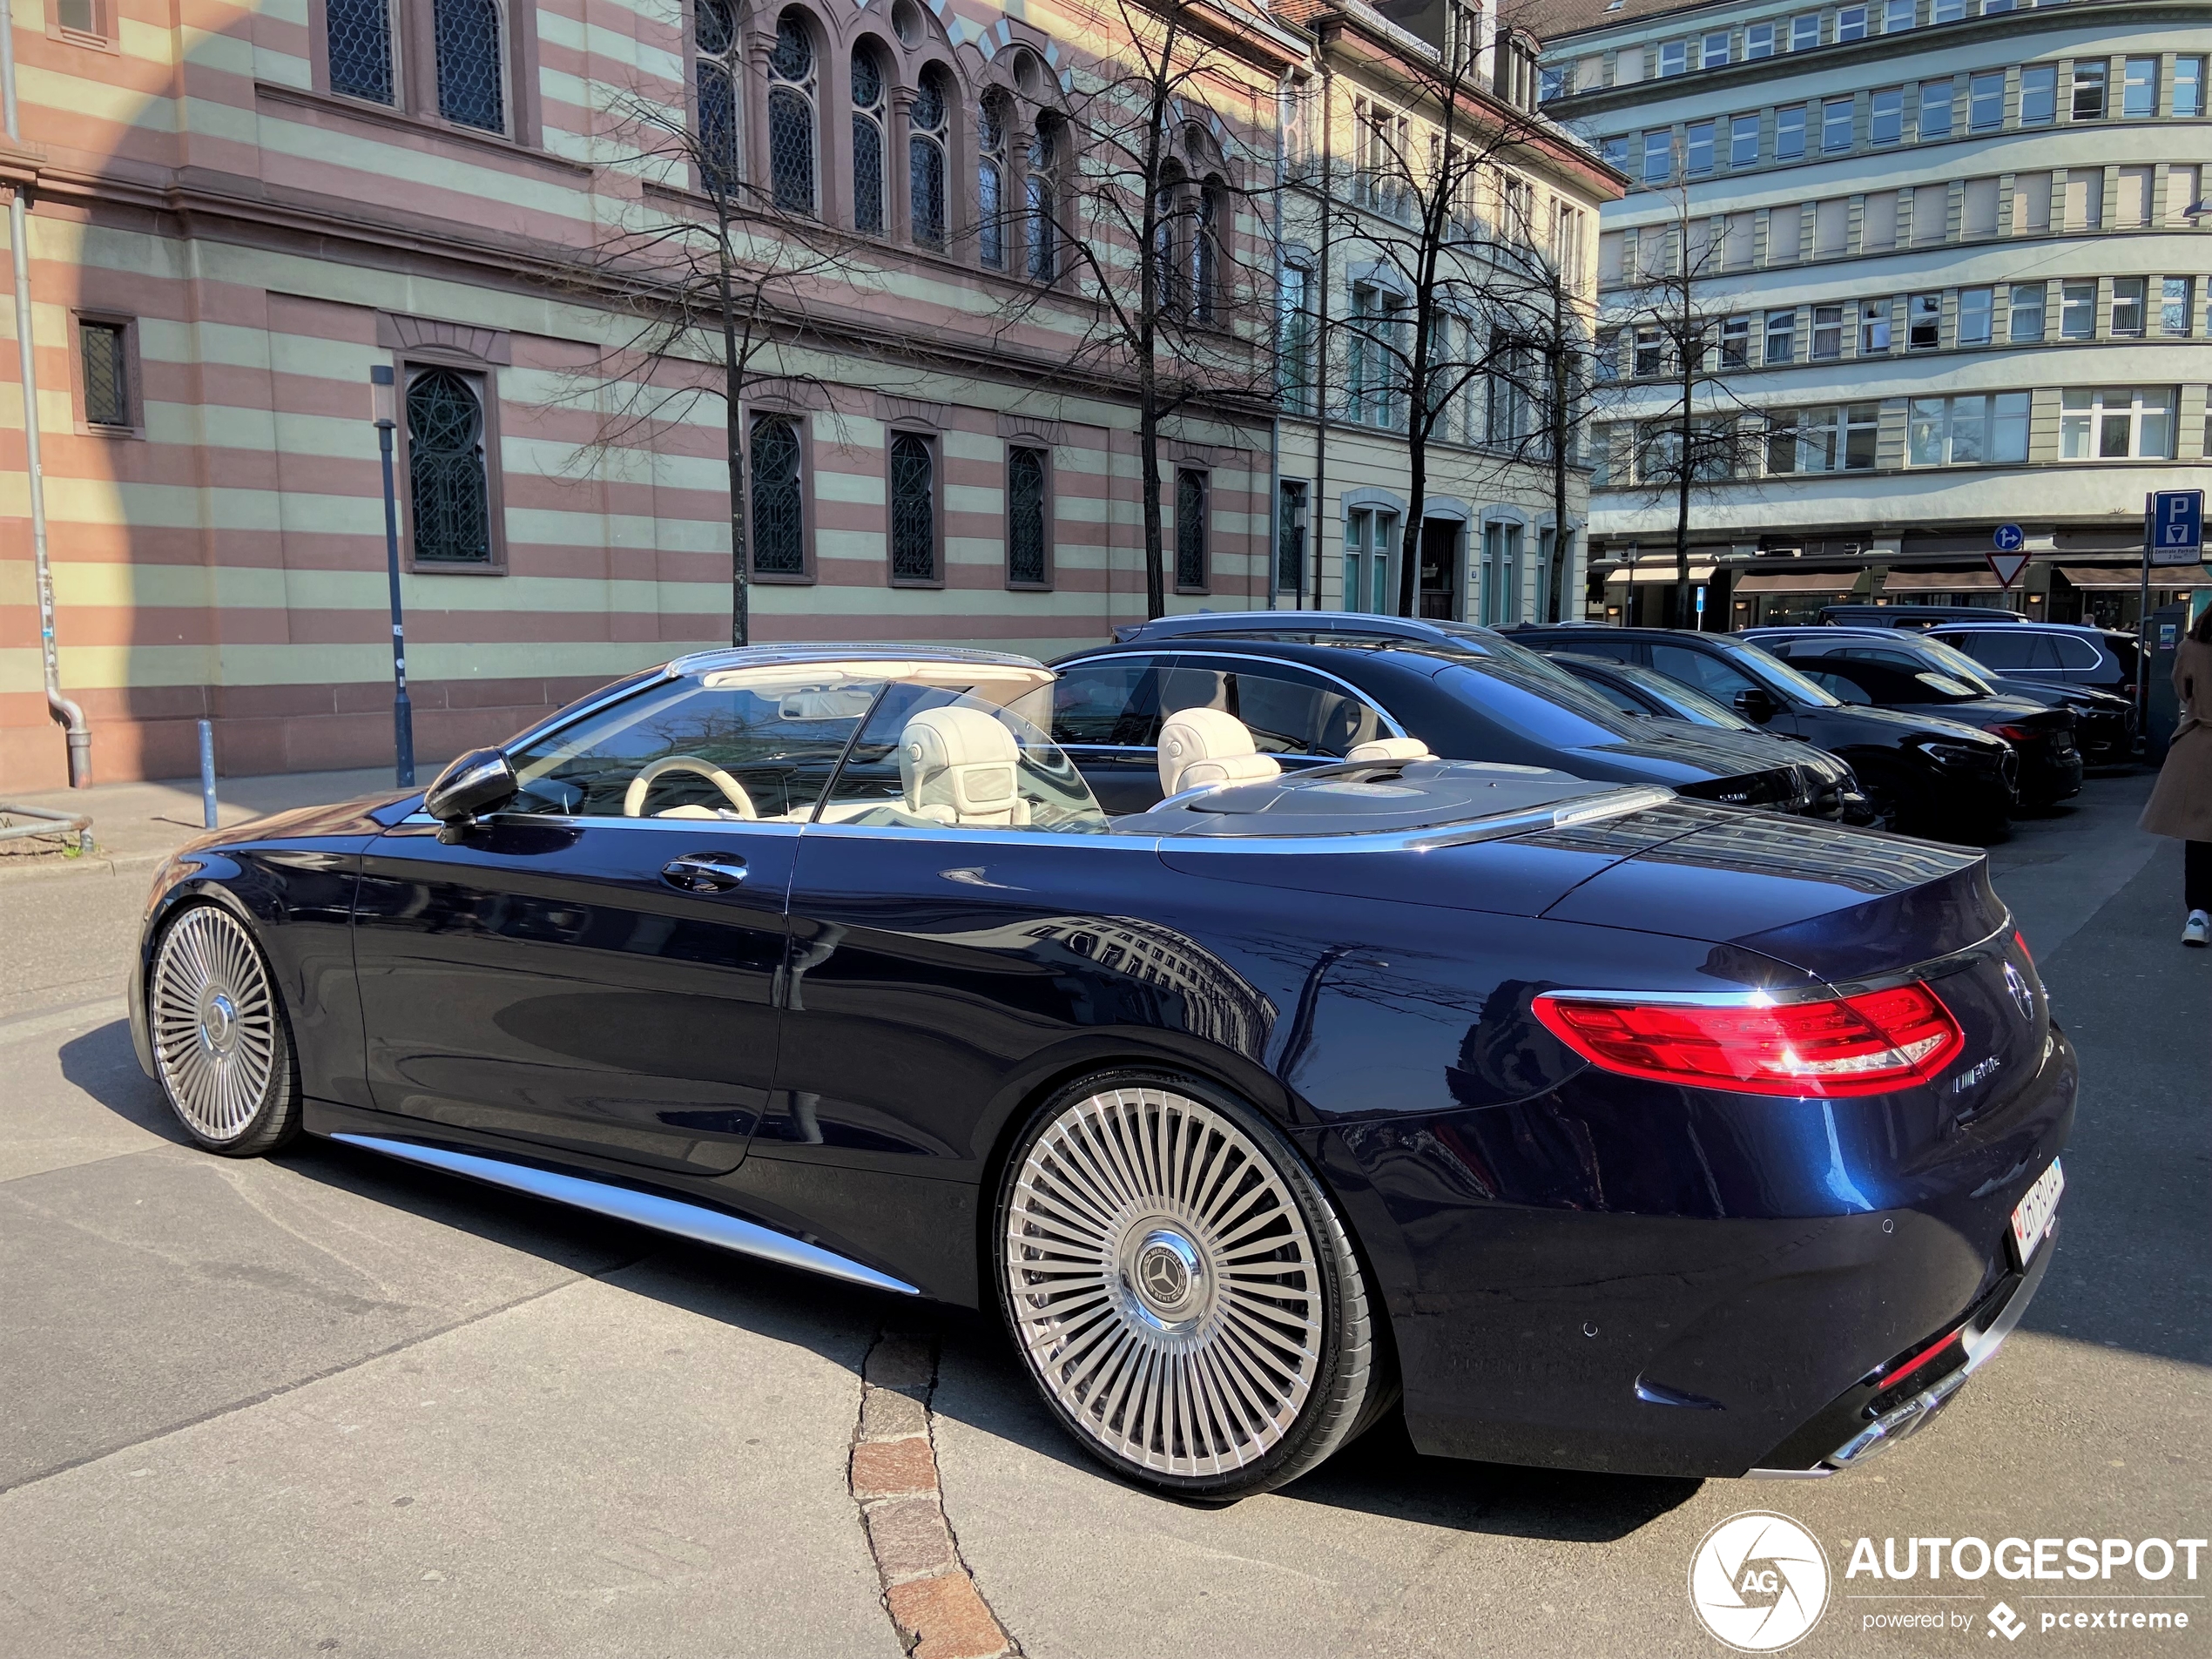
<point x="645" y="1209"/>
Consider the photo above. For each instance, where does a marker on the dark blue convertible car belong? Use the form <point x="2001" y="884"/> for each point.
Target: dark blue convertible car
<point x="1608" y="1130"/>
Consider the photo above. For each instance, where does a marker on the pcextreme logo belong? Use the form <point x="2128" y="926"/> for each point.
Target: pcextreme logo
<point x="1758" y="1581"/>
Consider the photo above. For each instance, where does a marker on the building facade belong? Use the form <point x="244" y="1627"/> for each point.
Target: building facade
<point x="237" y="212"/>
<point x="1952" y="263"/>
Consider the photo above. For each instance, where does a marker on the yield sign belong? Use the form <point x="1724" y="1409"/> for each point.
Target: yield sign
<point x="2008" y="566"/>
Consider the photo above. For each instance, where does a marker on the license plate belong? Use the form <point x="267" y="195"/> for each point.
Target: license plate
<point x="2032" y="1216"/>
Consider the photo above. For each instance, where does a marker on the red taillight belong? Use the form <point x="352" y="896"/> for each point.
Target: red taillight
<point x="1867" y="1044"/>
<point x="2011" y="733"/>
<point x="2020" y="939"/>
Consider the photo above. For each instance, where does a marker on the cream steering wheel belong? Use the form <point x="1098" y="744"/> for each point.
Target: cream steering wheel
<point x="633" y="799"/>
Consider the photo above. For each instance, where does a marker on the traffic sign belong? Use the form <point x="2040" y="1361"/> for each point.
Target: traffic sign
<point x="2009" y="538"/>
<point x="2176" y="527"/>
<point x="2008" y="567"/>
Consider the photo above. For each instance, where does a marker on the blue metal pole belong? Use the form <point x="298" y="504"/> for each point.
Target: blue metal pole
<point x="208" y="773"/>
<point x="402" y="710"/>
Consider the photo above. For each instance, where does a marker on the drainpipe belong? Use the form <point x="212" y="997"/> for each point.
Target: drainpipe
<point x="1318" y="508"/>
<point x="1274" y="561"/>
<point x="65" y="713"/>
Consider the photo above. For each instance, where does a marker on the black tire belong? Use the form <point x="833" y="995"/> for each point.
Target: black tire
<point x="1105" y="1243"/>
<point x="221" y="1038"/>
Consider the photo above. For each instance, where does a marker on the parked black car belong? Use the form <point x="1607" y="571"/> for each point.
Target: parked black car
<point x="1866" y="616"/>
<point x="1858" y="670"/>
<point x="1312" y="686"/>
<point x="1927" y="774"/>
<point x="2056" y="653"/>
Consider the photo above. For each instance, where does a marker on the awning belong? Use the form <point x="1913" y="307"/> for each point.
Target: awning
<point x="1836" y="581"/>
<point x="1661" y="570"/>
<point x="2112" y="577"/>
<point x="1941" y="582"/>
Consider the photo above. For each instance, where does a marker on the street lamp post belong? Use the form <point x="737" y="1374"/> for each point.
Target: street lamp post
<point x="383" y="397"/>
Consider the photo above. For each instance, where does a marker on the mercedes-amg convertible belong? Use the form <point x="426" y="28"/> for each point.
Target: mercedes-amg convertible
<point x="1603" y="1129"/>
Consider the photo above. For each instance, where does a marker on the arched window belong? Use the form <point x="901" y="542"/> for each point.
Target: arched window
<point x="713" y="34"/>
<point x="1170" y="272"/>
<point x="1205" y="253"/>
<point x="926" y="157"/>
<point x="1042" y="201"/>
<point x="470" y="70"/>
<point x="868" y="113"/>
<point x="779" y="545"/>
<point x="791" y="117"/>
<point x="445" y="457"/>
<point x="914" y="509"/>
<point x="990" y="182"/>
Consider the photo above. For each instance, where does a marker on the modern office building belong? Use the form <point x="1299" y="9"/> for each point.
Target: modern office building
<point x="1957" y="260"/>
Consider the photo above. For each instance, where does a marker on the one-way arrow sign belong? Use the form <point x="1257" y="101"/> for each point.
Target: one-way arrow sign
<point x="2008" y="567"/>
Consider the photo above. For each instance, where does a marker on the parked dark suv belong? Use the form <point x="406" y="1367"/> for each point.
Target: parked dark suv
<point x="1928" y="775"/>
<point x="1867" y="615"/>
<point x="2061" y="653"/>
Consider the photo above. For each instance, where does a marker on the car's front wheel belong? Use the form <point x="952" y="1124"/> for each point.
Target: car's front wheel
<point x="221" y="1046"/>
<point x="1182" y="1290"/>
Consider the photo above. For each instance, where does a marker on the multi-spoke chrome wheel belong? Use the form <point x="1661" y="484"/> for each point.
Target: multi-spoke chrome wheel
<point x="217" y="1036"/>
<point x="1169" y="1292"/>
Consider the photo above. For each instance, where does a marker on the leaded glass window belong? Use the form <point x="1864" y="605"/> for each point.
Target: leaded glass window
<point x="470" y="72"/>
<point x="107" y="373"/>
<point x="868" y="142"/>
<point x="1043" y="205"/>
<point x="1025" y="540"/>
<point x="914" y="509"/>
<point x="358" y="38"/>
<point x="445" y="454"/>
<point x="990" y="184"/>
<point x="779" y="543"/>
<point x="1205" y="254"/>
<point x="926" y="159"/>
<point x="713" y="34"/>
<point x="791" y="117"/>
<point x="1190" y="528"/>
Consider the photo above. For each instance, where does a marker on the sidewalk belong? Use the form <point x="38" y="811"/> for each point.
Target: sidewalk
<point x="137" y="824"/>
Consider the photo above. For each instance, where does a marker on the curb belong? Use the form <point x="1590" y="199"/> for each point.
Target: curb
<point x="927" y="1589"/>
<point x="73" y="869"/>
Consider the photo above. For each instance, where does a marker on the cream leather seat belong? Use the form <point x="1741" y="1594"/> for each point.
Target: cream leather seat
<point x="1209" y="747"/>
<point x="1389" y="749"/>
<point x="961" y="766"/>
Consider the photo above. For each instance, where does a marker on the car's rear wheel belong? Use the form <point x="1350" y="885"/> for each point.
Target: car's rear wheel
<point x="1182" y="1290"/>
<point x="221" y="1046"/>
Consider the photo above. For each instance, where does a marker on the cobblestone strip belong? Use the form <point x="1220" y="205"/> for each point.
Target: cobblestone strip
<point x="933" y="1602"/>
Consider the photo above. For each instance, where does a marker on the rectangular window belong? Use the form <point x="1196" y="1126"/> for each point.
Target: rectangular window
<point x="83" y="20"/>
<point x="1189" y="530"/>
<point x="913" y="508"/>
<point x="779" y="499"/>
<point x="1967" y="431"/>
<point x="1758" y="40"/>
<point x="1295" y="322"/>
<point x="2182" y="192"/>
<point x="1861" y="429"/>
<point x="1554" y="81"/>
<point x="1926" y="432"/>
<point x="2173" y="307"/>
<point x="1923" y="323"/>
<point x="2189" y="87"/>
<point x="1986" y="101"/>
<point x="1697" y="148"/>
<point x="2077" y="311"/>
<point x="1885" y="121"/>
<point x="1651" y="355"/>
<point x="1835" y="125"/>
<point x="1978" y="208"/>
<point x="1781" y="336"/>
<point x="1898" y="16"/>
<point x="2085" y="199"/>
<point x="357" y="49"/>
<point x="1948" y="10"/>
<point x="1615" y="151"/>
<point x="2127" y="308"/>
<point x="1674" y="58"/>
<point x="1977" y="312"/>
<point x="2139" y="89"/>
<point x="2116" y="423"/>
<point x="1028" y="537"/>
<point x="1735" y="342"/>
<point x="1715" y="55"/>
<point x="1827" y="332"/>
<point x="1877" y="222"/>
<point x="1874" y="328"/>
<point x="2008" y="427"/>
<point x="2027" y="313"/>
<point x="2030" y="203"/>
<point x="1743" y="141"/>
<point x="2131" y="211"/>
<point x="1935" y="109"/>
<point x="1782" y="440"/>
<point x="2089" y="91"/>
<point x="103" y="354"/>
<point x="1790" y="134"/>
<point x="1805" y="31"/>
<point x="1831" y="226"/>
<point x="1930" y="214"/>
<point x="1290" y="537"/>
<point x="1658" y="157"/>
<point x="1851" y="23"/>
<point x="2038" y="95"/>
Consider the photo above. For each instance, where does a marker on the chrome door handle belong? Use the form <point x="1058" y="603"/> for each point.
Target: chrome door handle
<point x="704" y="872"/>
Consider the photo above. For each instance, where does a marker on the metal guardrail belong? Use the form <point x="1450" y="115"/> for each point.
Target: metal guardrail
<point x="45" y="822"/>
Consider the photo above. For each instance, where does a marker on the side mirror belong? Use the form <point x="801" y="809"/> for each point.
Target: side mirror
<point x="480" y="782"/>
<point x="1755" y="704"/>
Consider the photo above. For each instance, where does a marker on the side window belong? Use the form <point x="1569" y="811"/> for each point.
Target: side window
<point x="1622" y="650"/>
<point x="739" y="745"/>
<point x="1295" y="717"/>
<point x="2072" y="652"/>
<point x="933" y="758"/>
<point x="1695" y="668"/>
<point x="1115" y="703"/>
<point x="2000" y="648"/>
<point x="1613" y="694"/>
<point x="1837" y="687"/>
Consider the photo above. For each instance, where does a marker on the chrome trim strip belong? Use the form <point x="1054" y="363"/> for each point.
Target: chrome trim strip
<point x="1821" y="1474"/>
<point x="1982" y="1347"/>
<point x="645" y="1209"/>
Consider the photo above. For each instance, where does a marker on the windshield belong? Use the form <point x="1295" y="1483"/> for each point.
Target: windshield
<point x="1956" y="664"/>
<point x="1776" y="672"/>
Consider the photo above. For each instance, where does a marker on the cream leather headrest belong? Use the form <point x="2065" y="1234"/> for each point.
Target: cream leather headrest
<point x="959" y="767"/>
<point x="1208" y="746"/>
<point x="1389" y="749"/>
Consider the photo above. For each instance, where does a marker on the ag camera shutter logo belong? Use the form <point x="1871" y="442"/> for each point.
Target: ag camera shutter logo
<point x="1758" y="1582"/>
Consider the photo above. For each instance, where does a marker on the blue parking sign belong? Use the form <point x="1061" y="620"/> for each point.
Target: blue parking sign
<point x="2177" y="526"/>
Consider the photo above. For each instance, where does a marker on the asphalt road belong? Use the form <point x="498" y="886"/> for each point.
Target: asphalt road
<point x="324" y="1404"/>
